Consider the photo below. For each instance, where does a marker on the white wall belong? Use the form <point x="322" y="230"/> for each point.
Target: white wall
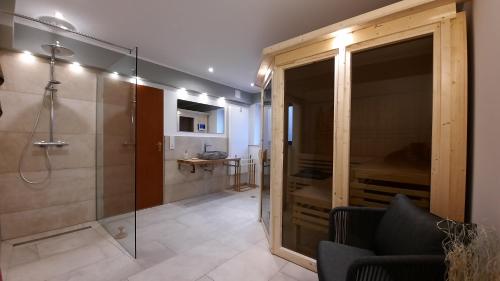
<point x="486" y="114"/>
<point x="238" y="130"/>
<point x="254" y="129"/>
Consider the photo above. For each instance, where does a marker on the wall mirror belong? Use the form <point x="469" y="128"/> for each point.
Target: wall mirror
<point x="201" y="118"/>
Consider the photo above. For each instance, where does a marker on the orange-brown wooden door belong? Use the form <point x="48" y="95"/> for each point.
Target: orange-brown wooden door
<point x="149" y="150"/>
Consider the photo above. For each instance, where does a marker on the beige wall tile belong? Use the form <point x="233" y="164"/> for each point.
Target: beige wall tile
<point x="68" y="197"/>
<point x="71" y="116"/>
<point x="19" y="111"/>
<point x="116" y="152"/>
<point x="23" y="74"/>
<point x="181" y="183"/>
<point x="64" y="187"/>
<point x="116" y="92"/>
<point x="116" y="120"/>
<point x="79" y="153"/>
<point x="39" y="220"/>
<point x="31" y="76"/>
<point x="81" y="85"/>
<point x="193" y="145"/>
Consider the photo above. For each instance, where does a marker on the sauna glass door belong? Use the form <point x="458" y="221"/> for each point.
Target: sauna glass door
<point x="391" y="123"/>
<point x="309" y="95"/>
<point x="265" y="204"/>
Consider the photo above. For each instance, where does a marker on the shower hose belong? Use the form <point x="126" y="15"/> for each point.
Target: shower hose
<point x="29" y="143"/>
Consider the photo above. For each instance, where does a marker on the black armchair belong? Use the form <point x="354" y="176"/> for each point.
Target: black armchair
<point x="401" y="243"/>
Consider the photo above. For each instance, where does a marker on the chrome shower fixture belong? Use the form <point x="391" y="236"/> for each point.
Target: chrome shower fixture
<point x="50" y="90"/>
<point x="57" y="21"/>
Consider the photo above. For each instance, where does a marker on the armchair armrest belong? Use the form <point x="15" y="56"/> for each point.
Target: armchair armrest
<point x="398" y="268"/>
<point x="354" y="226"/>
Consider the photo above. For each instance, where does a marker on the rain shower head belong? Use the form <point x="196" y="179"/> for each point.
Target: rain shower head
<point x="57" y="50"/>
<point x="59" y="22"/>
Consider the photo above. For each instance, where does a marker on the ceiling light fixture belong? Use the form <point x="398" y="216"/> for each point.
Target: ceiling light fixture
<point x="252" y="84"/>
<point x="211" y="69"/>
<point x="115" y="75"/>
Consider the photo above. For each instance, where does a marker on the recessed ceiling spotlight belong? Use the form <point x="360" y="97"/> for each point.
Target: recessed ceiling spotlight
<point x="252" y="84"/>
<point x="76" y="67"/>
<point x="115" y="75"/>
<point x="27" y="57"/>
<point x="211" y="69"/>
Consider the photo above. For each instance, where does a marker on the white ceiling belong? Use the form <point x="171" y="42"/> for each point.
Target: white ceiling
<point x="191" y="35"/>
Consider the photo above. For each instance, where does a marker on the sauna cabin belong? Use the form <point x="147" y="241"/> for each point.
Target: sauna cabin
<point x="360" y="111"/>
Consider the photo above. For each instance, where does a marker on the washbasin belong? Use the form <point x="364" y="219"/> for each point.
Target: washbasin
<point x="212" y="155"/>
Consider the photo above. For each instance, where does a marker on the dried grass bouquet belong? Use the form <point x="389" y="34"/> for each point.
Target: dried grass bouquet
<point x="472" y="252"/>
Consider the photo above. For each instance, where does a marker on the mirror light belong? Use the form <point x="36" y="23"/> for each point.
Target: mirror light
<point x="182" y="93"/>
<point x="221" y="101"/>
<point x="204" y="97"/>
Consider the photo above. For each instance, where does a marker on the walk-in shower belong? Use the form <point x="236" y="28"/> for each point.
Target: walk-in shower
<point x="48" y="98"/>
<point x="50" y="185"/>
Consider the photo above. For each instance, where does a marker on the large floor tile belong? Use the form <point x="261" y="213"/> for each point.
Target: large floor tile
<point x="56" y="265"/>
<point x="112" y="269"/>
<point x="151" y="253"/>
<point x="188" y="266"/>
<point x="299" y="273"/>
<point x="254" y="264"/>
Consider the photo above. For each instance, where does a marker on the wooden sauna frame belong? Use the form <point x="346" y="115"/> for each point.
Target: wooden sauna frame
<point x="401" y="21"/>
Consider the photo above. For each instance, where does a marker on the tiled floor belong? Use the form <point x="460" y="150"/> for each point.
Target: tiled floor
<point x="215" y="237"/>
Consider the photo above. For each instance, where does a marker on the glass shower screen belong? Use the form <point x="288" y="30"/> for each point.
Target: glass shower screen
<point x="115" y="178"/>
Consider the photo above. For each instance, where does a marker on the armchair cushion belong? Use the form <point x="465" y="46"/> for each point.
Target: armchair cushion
<point x="335" y="259"/>
<point x="408" y="230"/>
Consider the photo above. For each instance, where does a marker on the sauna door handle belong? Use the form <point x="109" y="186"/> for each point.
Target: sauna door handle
<point x="160" y="146"/>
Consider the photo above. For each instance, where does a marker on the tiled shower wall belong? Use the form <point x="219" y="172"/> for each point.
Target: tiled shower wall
<point x="181" y="183"/>
<point x="68" y="198"/>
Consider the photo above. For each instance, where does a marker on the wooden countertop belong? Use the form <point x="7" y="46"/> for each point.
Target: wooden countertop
<point x="196" y="161"/>
<point x="193" y="162"/>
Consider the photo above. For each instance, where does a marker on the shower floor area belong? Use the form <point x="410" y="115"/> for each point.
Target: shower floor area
<point x="212" y="237"/>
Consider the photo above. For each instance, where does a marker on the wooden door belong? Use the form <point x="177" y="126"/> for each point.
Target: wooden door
<point x="149" y="150"/>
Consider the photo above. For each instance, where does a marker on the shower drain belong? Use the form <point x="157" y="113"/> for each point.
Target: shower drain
<point x="50" y="236"/>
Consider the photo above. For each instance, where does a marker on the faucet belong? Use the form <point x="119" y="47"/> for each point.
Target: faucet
<point x="205" y="147"/>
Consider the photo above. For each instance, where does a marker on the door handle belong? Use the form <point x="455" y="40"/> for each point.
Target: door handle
<point x="160" y="146"/>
